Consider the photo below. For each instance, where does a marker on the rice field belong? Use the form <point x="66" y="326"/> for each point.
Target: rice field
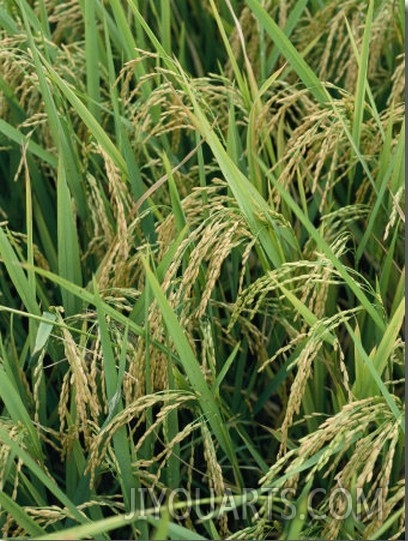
<point x="202" y="269"/>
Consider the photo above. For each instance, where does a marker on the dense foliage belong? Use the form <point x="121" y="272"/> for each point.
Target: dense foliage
<point x="202" y="268"/>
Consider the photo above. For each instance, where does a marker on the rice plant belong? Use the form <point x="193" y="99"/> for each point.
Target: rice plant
<point x="202" y="269"/>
